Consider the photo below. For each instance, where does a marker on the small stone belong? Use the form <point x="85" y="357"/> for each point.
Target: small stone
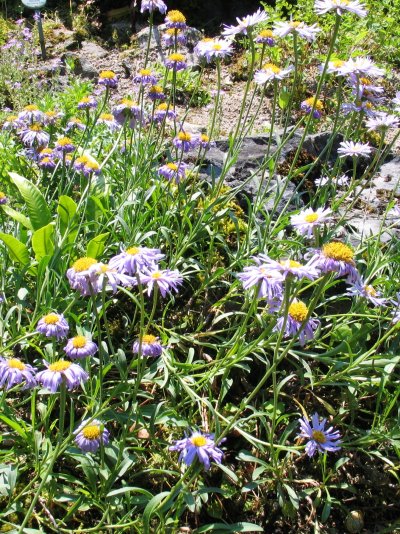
<point x="143" y="434"/>
<point x="354" y="522"/>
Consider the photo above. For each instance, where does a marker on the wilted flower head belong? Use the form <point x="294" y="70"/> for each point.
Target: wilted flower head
<point x="340" y="6"/>
<point x="90" y="434"/>
<point x="153" y="5"/>
<point x="13" y="372"/>
<point x="148" y="346"/>
<point x="245" y="24"/>
<point x="354" y="149"/>
<point x="166" y="280"/>
<point x="108" y="78"/>
<point x="202" y="446"/>
<point x="53" y="325"/>
<point x="61" y="371"/>
<point x="308" y="219"/>
<point x="80" y="347"/>
<point x="297" y="323"/>
<point x="283" y="28"/>
<point x="175" y="19"/>
<point x="320" y="440"/>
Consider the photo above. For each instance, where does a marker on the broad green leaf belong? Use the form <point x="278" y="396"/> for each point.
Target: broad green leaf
<point x="17" y="250"/>
<point x="17" y="216"/>
<point x="96" y="246"/>
<point x="38" y="210"/>
<point x="223" y="527"/>
<point x="284" y="97"/>
<point x="43" y="241"/>
<point x="66" y="210"/>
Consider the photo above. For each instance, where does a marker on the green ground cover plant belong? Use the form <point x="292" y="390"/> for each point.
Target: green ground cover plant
<point x="175" y="355"/>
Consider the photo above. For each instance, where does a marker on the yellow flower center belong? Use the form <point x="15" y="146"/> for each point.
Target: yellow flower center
<point x="172" y="166"/>
<point x="51" y="318"/>
<point x="295" y="23"/>
<point x="76" y="120"/>
<point x="50" y="114"/>
<point x="272" y="67"/>
<point x="338" y="251"/>
<point x="35" y="127"/>
<point x="176" y="16"/>
<point x="204" y="138"/>
<point x="127" y="102"/>
<point x="149" y="339"/>
<point x="92" y="165"/>
<point x="63" y="141"/>
<point x="46" y="151"/>
<point x="82" y="159"/>
<point x="318" y="104"/>
<point x="84" y="100"/>
<point x="2" y="195"/>
<point x="107" y="74"/>
<point x="199" y="441"/>
<point x="60" y="366"/>
<point x="370" y="290"/>
<point x="145" y="72"/>
<point x="12" y="118"/>
<point x="290" y="263"/>
<point x="156" y="89"/>
<point x="14" y="363"/>
<point x="311" y="217"/>
<point x="91" y="432"/>
<point x="266" y="33"/>
<point x="31" y="107"/>
<point x="162" y="107"/>
<point x="106" y="117"/>
<point x="79" y="342"/>
<point x="176" y="57"/>
<point x="83" y="264"/>
<point x="156" y="275"/>
<point x="46" y="159"/>
<point x="298" y="311"/>
<point x="337" y="63"/>
<point x="318" y="436"/>
<point x="365" y="81"/>
<point x="182" y="136"/>
<point x="216" y="46"/>
<point x="132" y="251"/>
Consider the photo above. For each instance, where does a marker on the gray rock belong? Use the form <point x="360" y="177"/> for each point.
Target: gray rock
<point x="84" y="68"/>
<point x="92" y="50"/>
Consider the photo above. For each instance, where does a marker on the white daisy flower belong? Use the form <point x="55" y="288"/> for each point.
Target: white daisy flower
<point x="354" y="149"/>
<point x="362" y="66"/>
<point x="245" y="23"/>
<point x="308" y="219"/>
<point x="340" y="6"/>
<point x="283" y="28"/>
<point x="270" y="71"/>
<point x="382" y="121"/>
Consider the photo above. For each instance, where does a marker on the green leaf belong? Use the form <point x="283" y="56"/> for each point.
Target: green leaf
<point x="17" y="250"/>
<point x="151" y="509"/>
<point x="284" y="98"/>
<point x="17" y="216"/>
<point x="66" y="210"/>
<point x="235" y="527"/>
<point x="43" y="241"/>
<point x="14" y="425"/>
<point x="38" y="210"/>
<point x="96" y="246"/>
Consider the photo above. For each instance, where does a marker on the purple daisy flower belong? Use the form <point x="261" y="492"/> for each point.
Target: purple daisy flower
<point x="13" y="372"/>
<point x="80" y="347"/>
<point x="87" y="102"/>
<point x="290" y="267"/>
<point x="150" y="346"/>
<point x="51" y="117"/>
<point x="166" y="280"/>
<point x="53" y="325"/>
<point x="104" y="277"/>
<point x="173" y="171"/>
<point x="47" y="163"/>
<point x="80" y="278"/>
<point x="156" y="93"/>
<point x="52" y="377"/>
<point x="172" y="36"/>
<point x="35" y="135"/>
<point x="162" y="112"/>
<point x="64" y="145"/>
<point x="268" y="280"/>
<point x="296" y="323"/>
<point x="152" y="5"/>
<point x="185" y="141"/>
<point x="202" y="446"/>
<point x="3" y="198"/>
<point x="176" y="62"/>
<point x="11" y="123"/>
<point x="31" y="113"/>
<point x="128" y="110"/>
<point x="109" y="120"/>
<point x="134" y="259"/>
<point x="108" y="78"/>
<point x="90" y="434"/>
<point x="74" y="122"/>
<point x="361" y="289"/>
<point x="205" y="143"/>
<point x="91" y="167"/>
<point x="175" y="19"/>
<point x="266" y="37"/>
<point x="337" y="257"/>
<point x="320" y="440"/>
<point x="145" y="77"/>
<point x="310" y="103"/>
